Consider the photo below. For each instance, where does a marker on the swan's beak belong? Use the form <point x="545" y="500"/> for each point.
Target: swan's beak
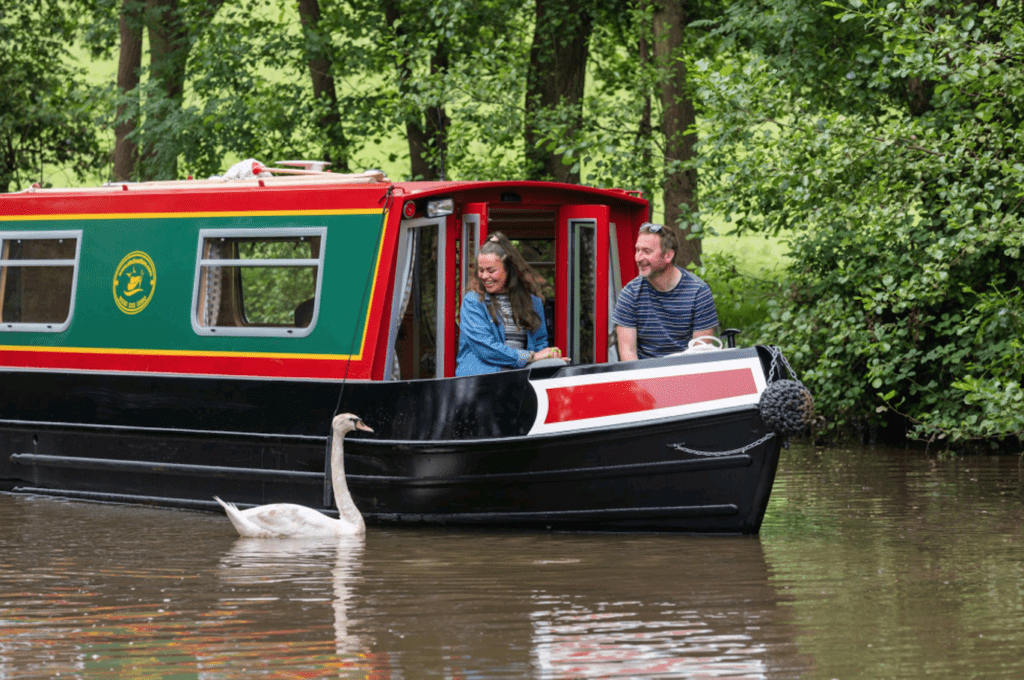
<point x="360" y="425"/>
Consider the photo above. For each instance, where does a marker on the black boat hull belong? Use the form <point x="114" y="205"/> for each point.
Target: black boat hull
<point x="626" y="479"/>
<point x="455" y="451"/>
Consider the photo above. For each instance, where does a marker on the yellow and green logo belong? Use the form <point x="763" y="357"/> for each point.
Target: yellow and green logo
<point x="134" y="282"/>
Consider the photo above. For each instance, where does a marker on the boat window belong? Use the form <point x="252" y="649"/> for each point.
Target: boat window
<point x="258" y="282"/>
<point x="582" y="259"/>
<point x="38" y="271"/>
<point x="468" y="251"/>
<point x="614" y="286"/>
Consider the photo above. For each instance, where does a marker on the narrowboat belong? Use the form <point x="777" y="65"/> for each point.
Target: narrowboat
<point x="163" y="342"/>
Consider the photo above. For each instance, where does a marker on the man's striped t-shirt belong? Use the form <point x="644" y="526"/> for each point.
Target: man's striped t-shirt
<point x="665" y="322"/>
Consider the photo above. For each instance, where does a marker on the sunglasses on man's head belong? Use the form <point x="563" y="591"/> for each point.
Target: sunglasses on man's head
<point x="650" y="227"/>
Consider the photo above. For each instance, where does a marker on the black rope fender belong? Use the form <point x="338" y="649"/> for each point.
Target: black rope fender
<point x="786" y="407"/>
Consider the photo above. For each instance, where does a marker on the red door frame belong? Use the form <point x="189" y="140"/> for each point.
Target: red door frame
<point x="598" y="214"/>
<point x="456" y="281"/>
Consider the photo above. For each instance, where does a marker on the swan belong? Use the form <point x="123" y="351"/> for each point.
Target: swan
<point x="287" y="520"/>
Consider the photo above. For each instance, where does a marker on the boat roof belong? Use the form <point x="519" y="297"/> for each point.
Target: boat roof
<point x="325" y="179"/>
<point x="423" y="189"/>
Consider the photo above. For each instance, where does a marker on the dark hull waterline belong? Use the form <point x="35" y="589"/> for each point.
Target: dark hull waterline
<point x="448" y="452"/>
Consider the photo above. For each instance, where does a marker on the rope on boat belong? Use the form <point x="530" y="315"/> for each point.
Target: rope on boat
<point x="387" y="199"/>
<point x="786" y="407"/>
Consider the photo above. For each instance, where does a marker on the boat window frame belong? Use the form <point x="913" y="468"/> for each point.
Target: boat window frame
<point x="473" y="226"/>
<point x="577" y="226"/>
<point x="258" y="233"/>
<point x="407" y="240"/>
<point x="48" y="235"/>
<point x="614" y="289"/>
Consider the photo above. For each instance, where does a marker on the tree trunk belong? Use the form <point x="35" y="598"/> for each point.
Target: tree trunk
<point x="678" y="117"/>
<point x="169" y="47"/>
<point x="424" y="129"/>
<point x="919" y="96"/>
<point x="644" y="129"/>
<point x="556" y="75"/>
<point x="126" y="151"/>
<point x="427" y="142"/>
<point x="336" y="146"/>
<point x="168" y="53"/>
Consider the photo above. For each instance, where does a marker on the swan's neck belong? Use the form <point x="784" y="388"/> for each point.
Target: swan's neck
<point x="347" y="510"/>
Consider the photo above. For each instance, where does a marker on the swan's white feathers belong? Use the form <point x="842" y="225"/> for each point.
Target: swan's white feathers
<point x="283" y="520"/>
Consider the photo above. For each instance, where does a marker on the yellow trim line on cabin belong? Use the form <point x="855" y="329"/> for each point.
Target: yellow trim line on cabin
<point x="141" y="216"/>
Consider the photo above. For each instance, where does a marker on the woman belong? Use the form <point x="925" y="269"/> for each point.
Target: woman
<point x="502" y="318"/>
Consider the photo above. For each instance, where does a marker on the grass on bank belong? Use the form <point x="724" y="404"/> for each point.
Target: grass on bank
<point x="746" y="273"/>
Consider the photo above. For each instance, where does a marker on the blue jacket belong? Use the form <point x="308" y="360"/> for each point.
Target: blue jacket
<point x="482" y="347"/>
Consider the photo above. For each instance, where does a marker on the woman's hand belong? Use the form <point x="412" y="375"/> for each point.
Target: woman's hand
<point x="549" y="353"/>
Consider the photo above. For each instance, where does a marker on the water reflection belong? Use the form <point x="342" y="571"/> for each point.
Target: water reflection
<point x="871" y="563"/>
<point x="713" y="616"/>
<point x="902" y="562"/>
<point x="580" y="606"/>
<point x="522" y="606"/>
<point x="265" y="562"/>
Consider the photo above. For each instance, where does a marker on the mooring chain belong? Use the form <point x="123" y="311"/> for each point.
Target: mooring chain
<point x="714" y="454"/>
<point x="776" y="357"/>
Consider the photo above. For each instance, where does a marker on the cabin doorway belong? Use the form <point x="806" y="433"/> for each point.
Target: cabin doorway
<point x="421" y="333"/>
<point x="534" y="230"/>
<point x="568" y="246"/>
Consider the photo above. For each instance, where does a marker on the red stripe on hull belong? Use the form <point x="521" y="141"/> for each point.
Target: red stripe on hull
<point x="242" y="366"/>
<point x="581" y="402"/>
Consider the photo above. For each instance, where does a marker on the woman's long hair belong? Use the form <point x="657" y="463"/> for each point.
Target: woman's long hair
<point x="520" y="282"/>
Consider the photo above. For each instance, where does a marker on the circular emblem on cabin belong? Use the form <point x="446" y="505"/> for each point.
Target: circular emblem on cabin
<point x="134" y="282"/>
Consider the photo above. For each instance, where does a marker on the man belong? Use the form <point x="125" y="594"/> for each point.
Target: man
<point x="661" y="310"/>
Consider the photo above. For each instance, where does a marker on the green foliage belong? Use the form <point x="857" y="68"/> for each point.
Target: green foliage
<point x="884" y="141"/>
<point x="904" y="197"/>
<point x="743" y="301"/>
<point x="48" y="113"/>
<point x="619" y="143"/>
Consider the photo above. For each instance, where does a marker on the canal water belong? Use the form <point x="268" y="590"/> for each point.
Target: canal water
<point x="872" y="563"/>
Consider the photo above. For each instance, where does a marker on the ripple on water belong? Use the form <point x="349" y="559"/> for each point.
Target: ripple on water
<point x="900" y="561"/>
<point x="871" y="563"/>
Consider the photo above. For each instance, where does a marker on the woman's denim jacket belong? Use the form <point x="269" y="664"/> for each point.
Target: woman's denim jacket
<point x="482" y="347"/>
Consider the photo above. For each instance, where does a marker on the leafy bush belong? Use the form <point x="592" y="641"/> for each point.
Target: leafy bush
<point x="904" y="195"/>
<point x="743" y="301"/>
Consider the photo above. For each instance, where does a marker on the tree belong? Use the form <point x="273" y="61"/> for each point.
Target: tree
<point x="126" y="151"/>
<point x="420" y="104"/>
<point x="899" y="179"/>
<point x="48" y="113"/>
<point x="172" y="28"/>
<point x="554" y="83"/>
<point x="637" y="128"/>
<point x="321" y="64"/>
<point x="678" y="124"/>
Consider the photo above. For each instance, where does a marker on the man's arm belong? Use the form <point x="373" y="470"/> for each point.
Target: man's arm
<point x="704" y="313"/>
<point x="627" y="343"/>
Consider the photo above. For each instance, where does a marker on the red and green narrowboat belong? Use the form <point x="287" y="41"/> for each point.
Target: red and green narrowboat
<point x="162" y="342"/>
